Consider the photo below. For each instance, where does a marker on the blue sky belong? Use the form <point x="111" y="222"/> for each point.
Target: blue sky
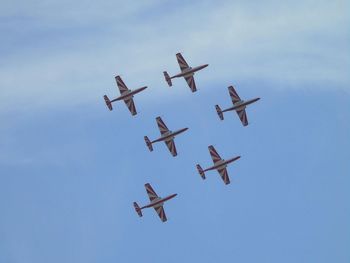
<point x="70" y="169"/>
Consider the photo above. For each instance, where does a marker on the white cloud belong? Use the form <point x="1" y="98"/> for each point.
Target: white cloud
<point x="294" y="43"/>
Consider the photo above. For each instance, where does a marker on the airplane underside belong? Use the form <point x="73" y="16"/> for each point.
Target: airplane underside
<point x="183" y="74"/>
<point x="216" y="167"/>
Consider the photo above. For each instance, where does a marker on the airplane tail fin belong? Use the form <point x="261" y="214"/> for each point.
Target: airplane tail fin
<point x="200" y="171"/>
<point x="108" y="102"/>
<point x="167" y="78"/>
<point x="137" y="209"/>
<point x="219" y="111"/>
<point x="148" y="143"/>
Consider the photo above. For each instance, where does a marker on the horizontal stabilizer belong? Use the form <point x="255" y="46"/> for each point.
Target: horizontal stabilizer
<point x="138" y="209"/>
<point x="108" y="102"/>
<point x="200" y="171"/>
<point x="167" y="78"/>
<point x="219" y="111"/>
<point x="148" y="143"/>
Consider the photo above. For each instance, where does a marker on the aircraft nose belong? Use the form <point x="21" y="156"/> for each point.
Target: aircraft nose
<point x="236" y="158"/>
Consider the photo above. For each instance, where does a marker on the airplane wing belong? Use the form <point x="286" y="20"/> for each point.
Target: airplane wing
<point x="171" y="146"/>
<point x="151" y="193"/>
<point x="233" y="94"/>
<point x="214" y="155"/>
<point x="224" y="175"/>
<point x="121" y="85"/>
<point x="161" y="125"/>
<point x="131" y="106"/>
<point x="182" y="62"/>
<point x="191" y="83"/>
<point x="243" y="117"/>
<point x="161" y="213"/>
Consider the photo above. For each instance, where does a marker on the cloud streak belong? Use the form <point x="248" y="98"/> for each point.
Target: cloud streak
<point x="70" y="55"/>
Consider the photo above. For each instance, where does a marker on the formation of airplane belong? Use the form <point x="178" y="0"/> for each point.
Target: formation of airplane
<point x="219" y="165"/>
<point x="155" y="201"/>
<point x="167" y="136"/>
<point x="239" y="106"/>
<point x="186" y="71"/>
<point x="126" y="95"/>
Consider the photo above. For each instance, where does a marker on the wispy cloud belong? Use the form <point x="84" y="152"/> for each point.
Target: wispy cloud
<point x="59" y="51"/>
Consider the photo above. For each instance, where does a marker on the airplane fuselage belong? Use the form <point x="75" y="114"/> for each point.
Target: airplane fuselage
<point x="222" y="164"/>
<point x="159" y="201"/>
<point x="129" y="94"/>
<point x="241" y="105"/>
<point x="189" y="71"/>
<point x="170" y="135"/>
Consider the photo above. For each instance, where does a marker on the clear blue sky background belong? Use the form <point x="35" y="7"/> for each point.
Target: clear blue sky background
<point x="70" y="169"/>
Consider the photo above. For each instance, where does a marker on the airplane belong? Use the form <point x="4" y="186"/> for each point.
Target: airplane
<point x="156" y="202"/>
<point x="219" y="165"/>
<point x="166" y="135"/>
<point x="238" y="105"/>
<point x="186" y="71"/>
<point x="125" y="94"/>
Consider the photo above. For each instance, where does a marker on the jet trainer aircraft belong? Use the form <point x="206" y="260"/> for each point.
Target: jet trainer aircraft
<point x="156" y="202"/>
<point x="238" y="105"/>
<point x="125" y="94"/>
<point x="166" y="135"/>
<point x="186" y="71"/>
<point x="219" y="165"/>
